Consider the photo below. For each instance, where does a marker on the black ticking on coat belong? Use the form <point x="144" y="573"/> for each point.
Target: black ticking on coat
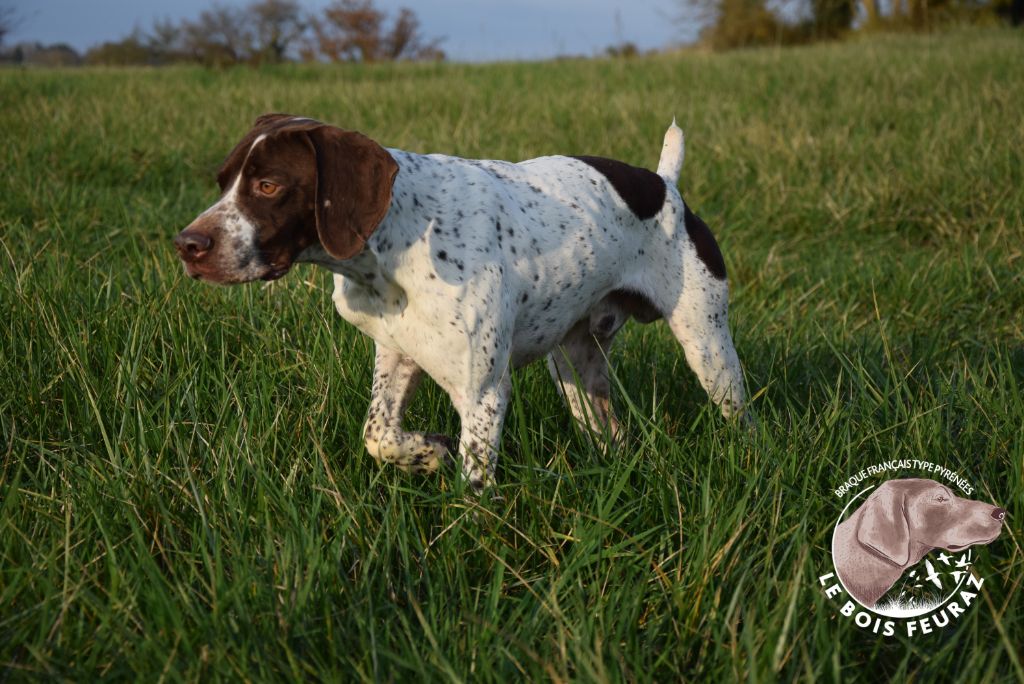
<point x="704" y="241"/>
<point x="643" y="191"/>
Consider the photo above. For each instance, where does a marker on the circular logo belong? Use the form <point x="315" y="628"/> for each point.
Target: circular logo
<point x="902" y="556"/>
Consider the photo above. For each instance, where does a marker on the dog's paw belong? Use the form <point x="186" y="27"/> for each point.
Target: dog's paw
<point x="427" y="458"/>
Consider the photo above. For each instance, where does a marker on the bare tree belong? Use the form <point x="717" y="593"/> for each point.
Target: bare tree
<point x="740" y="23"/>
<point x="220" y="36"/>
<point x="166" y="36"/>
<point x="354" y="31"/>
<point x="871" y="13"/>
<point x="350" y="31"/>
<point x="831" y="18"/>
<point x="166" y="42"/>
<point x="405" y="41"/>
<point x="277" y="24"/>
<point x="9" y="21"/>
<point x="736" y="23"/>
<point x="261" y="32"/>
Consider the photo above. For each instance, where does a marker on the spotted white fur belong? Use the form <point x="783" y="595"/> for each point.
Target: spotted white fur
<point x="482" y="266"/>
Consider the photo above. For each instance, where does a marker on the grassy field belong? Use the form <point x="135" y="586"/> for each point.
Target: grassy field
<point x="183" y="490"/>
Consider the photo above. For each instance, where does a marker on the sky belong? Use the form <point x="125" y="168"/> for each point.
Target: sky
<point x="474" y="30"/>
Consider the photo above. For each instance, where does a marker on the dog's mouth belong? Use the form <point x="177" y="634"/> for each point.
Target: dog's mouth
<point x="196" y="273"/>
<point x="214" y="274"/>
<point x="275" y="272"/>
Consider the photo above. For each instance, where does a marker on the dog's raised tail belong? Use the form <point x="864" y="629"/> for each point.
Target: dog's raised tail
<point x="672" y="154"/>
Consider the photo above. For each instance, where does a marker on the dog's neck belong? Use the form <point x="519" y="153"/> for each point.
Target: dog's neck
<point x="363" y="268"/>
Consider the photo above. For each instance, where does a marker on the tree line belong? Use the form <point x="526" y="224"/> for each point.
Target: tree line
<point x="275" y="31"/>
<point x="741" y="23"/>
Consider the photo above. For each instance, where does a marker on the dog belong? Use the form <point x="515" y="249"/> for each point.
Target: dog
<point x="464" y="269"/>
<point x="898" y="525"/>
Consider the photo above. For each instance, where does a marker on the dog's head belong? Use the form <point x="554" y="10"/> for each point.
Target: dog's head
<point x="902" y="513"/>
<point x="289" y="184"/>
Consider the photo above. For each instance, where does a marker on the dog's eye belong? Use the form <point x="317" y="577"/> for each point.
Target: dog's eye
<point x="941" y="499"/>
<point x="267" y="188"/>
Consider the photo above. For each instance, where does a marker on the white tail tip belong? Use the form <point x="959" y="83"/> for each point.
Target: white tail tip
<point x="672" y="152"/>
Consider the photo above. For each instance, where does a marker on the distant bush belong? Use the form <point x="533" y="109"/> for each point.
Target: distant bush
<point x="623" y="50"/>
<point x="743" y="23"/>
<point x="131" y="50"/>
<point x="37" y="54"/>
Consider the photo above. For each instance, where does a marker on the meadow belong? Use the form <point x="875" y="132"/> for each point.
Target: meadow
<point x="184" y="494"/>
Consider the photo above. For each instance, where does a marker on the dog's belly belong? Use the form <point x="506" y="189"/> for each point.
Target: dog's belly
<point x="565" y="277"/>
<point x="548" y="313"/>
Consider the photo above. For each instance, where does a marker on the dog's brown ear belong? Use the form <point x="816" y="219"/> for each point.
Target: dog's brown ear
<point x="353" y="189"/>
<point x="883" y="524"/>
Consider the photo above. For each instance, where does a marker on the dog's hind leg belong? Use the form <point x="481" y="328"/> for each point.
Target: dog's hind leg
<point x="579" y="367"/>
<point x="711" y="355"/>
<point x="395" y="379"/>
<point x="698" y="320"/>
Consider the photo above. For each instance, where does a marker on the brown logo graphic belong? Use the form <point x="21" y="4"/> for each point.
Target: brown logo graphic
<point x="904" y="556"/>
<point x="898" y="525"/>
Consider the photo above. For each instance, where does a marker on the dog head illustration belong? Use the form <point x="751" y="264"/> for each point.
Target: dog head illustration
<point x="898" y="524"/>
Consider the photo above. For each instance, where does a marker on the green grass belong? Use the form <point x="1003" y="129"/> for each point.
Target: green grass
<point x="183" y="490"/>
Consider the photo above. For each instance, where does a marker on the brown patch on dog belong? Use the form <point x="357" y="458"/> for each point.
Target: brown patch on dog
<point x="263" y="125"/>
<point x="352" y="175"/>
<point x="704" y="241"/>
<point x="333" y="186"/>
<point x="643" y="191"/>
<point x="353" y="191"/>
<point x="635" y="304"/>
<point x="284" y="222"/>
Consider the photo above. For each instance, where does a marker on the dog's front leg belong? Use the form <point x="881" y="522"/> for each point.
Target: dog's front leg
<point x="482" y="413"/>
<point x="395" y="379"/>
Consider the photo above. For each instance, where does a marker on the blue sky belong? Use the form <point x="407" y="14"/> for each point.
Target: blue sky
<point x="474" y="30"/>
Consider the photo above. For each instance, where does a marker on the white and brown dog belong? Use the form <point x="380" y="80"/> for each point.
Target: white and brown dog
<point x="464" y="269"/>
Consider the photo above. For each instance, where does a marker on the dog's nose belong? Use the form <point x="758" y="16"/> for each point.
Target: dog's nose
<point x="192" y="245"/>
<point x="998" y="513"/>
